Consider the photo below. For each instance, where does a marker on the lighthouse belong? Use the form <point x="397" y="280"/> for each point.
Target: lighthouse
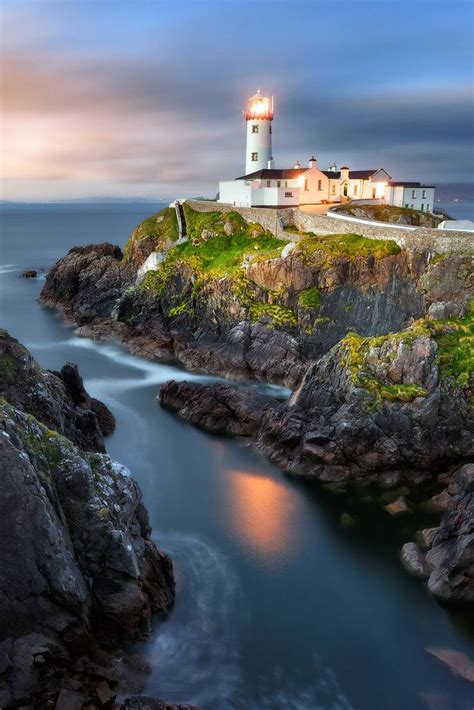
<point x="258" y="116"/>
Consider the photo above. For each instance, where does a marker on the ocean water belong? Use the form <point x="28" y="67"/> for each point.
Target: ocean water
<point x="277" y="605"/>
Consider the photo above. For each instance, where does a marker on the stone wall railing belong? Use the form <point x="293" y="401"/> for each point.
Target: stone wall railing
<point x="372" y="222"/>
<point x="272" y="219"/>
<point x="434" y="240"/>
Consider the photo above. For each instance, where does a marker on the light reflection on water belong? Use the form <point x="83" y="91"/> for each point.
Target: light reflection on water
<point x="260" y="515"/>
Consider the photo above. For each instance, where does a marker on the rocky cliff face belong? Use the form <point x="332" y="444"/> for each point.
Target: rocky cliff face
<point x="385" y="406"/>
<point x="79" y="572"/>
<point x="445" y="555"/>
<point x="234" y="300"/>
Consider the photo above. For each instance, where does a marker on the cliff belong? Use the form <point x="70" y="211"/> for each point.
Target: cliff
<point x="235" y="300"/>
<point x="395" y="406"/>
<point x="79" y="573"/>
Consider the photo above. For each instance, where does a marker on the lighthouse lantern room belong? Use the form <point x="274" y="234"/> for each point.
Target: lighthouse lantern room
<point x="259" y="117"/>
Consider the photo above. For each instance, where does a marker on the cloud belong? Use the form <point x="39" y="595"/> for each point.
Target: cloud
<point x="163" y="115"/>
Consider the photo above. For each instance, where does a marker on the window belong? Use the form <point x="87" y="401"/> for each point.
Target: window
<point x="269" y="182"/>
<point x="333" y="190"/>
<point x="278" y="183"/>
<point x="356" y="190"/>
<point x="306" y="185"/>
<point x="255" y="128"/>
<point x="286" y="183"/>
<point x="288" y="194"/>
<point x="270" y="128"/>
<point x="254" y="157"/>
<point x="413" y="195"/>
<point x="320" y="184"/>
<point x="406" y="206"/>
<point x="423" y="194"/>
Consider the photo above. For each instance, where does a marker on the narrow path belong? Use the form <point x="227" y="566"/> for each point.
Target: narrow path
<point x="180" y="216"/>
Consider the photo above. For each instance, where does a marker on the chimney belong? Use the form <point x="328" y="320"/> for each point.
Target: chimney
<point x="345" y="172"/>
<point x="312" y="162"/>
<point x="271" y="164"/>
<point x="297" y="165"/>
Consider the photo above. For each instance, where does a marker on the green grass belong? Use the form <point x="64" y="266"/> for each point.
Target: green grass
<point x="196" y="222"/>
<point x="153" y="234"/>
<point x="455" y="357"/>
<point x="455" y="340"/>
<point x="311" y="298"/>
<point x="315" y="247"/>
<point x="223" y="255"/>
<point x="216" y="256"/>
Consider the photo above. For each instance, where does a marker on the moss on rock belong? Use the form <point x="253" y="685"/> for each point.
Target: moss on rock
<point x="315" y="248"/>
<point x="153" y="234"/>
<point x="310" y="298"/>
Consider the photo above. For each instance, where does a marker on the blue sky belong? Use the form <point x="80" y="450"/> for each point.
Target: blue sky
<point x="143" y="98"/>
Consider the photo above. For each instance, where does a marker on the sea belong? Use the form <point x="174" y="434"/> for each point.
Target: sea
<point x="278" y="605"/>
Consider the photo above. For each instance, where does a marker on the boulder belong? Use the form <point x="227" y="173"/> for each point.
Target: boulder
<point x="218" y="408"/>
<point x="398" y="507"/>
<point x="414" y="560"/>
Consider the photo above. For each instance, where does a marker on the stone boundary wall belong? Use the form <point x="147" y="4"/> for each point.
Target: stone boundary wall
<point x="272" y="219"/>
<point x="371" y="222"/>
<point x="434" y="240"/>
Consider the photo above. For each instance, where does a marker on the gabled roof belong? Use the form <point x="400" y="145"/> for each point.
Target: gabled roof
<point x="273" y="174"/>
<point x="292" y="173"/>
<point x="353" y="174"/>
<point x="362" y="174"/>
<point x="408" y="184"/>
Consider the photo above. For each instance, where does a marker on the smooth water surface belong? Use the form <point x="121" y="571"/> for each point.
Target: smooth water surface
<point x="277" y="606"/>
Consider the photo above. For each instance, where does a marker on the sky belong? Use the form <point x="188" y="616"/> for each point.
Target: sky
<point x="143" y="98"/>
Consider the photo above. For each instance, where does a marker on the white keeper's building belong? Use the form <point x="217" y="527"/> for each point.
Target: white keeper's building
<point x="263" y="185"/>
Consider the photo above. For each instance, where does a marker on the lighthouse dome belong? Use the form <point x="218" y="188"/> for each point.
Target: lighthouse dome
<point x="259" y="107"/>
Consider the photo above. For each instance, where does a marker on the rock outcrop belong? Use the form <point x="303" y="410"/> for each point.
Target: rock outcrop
<point x="262" y="310"/>
<point x="371" y="407"/>
<point x="57" y="399"/>
<point x="444" y="556"/>
<point x="79" y="573"/>
<point x="218" y="408"/>
<point x="85" y="284"/>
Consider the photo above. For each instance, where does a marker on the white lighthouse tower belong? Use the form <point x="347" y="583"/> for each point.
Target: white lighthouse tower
<point x="259" y="117"/>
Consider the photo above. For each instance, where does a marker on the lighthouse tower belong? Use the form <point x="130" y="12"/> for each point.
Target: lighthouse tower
<point x="258" y="117"/>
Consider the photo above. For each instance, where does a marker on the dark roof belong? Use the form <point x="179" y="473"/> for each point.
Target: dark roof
<point x="362" y="174"/>
<point x="288" y="174"/>
<point x="353" y="174"/>
<point x="273" y="173"/>
<point x="408" y="184"/>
